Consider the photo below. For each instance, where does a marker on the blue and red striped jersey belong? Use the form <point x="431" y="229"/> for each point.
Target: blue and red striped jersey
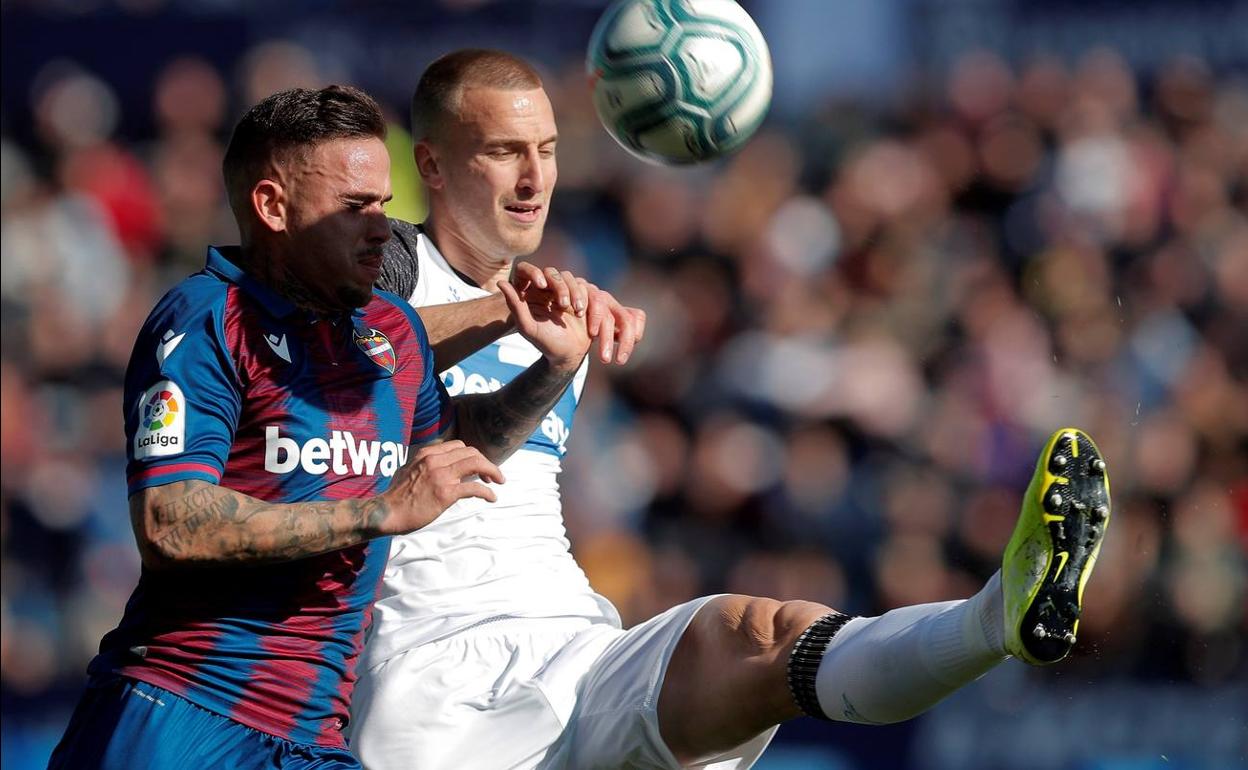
<point x="232" y="384"/>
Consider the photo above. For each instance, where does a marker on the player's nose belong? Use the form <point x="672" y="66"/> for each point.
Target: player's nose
<point x="378" y="227"/>
<point x="532" y="177"/>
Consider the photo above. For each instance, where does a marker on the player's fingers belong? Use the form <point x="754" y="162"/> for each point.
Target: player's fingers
<point x="519" y="308"/>
<point x="474" y="489"/>
<point x="577" y="292"/>
<point x="477" y="465"/>
<point x="528" y="272"/>
<point x="560" y="287"/>
<point x="625" y="335"/>
<point x="606" y="338"/>
<point x="598" y="307"/>
<point x="639" y="320"/>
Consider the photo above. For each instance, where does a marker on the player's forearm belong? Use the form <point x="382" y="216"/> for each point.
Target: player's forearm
<point x="460" y="329"/>
<point x="498" y="423"/>
<point x="193" y="523"/>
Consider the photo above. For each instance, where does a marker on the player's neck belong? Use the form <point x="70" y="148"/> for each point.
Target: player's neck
<point x="472" y="265"/>
<point x="270" y="270"/>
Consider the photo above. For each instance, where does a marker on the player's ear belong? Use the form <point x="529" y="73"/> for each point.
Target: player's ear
<point x="427" y="165"/>
<point x="268" y="201"/>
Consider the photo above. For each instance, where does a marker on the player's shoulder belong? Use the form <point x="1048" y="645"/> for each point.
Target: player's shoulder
<point x="400" y="267"/>
<point x="184" y="332"/>
<point x="398" y="309"/>
<point x="383" y="298"/>
<point x="406" y="233"/>
<point x="191" y="300"/>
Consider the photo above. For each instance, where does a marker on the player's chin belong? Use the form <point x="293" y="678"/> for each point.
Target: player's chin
<point x="523" y="241"/>
<point x="355" y="295"/>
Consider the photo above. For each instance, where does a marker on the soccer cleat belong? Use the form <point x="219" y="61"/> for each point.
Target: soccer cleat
<point x="1053" y="549"/>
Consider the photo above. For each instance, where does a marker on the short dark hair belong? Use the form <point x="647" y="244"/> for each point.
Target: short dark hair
<point x="292" y="121"/>
<point x="443" y="82"/>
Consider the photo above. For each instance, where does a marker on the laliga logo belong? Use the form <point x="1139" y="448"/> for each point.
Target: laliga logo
<point x="161" y="410"/>
<point x="162" y="421"/>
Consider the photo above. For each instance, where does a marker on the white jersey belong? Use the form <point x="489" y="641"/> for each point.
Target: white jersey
<point x="481" y="561"/>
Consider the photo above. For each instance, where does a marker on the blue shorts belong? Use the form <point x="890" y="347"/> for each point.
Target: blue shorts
<point x="125" y="724"/>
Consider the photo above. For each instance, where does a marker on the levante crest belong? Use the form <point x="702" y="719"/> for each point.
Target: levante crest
<point x="377" y="346"/>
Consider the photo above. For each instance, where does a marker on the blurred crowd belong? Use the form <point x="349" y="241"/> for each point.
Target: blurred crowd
<point x="861" y="329"/>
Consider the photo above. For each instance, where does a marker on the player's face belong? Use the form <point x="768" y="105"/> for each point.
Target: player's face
<point x="335" y="220"/>
<point x="498" y="169"/>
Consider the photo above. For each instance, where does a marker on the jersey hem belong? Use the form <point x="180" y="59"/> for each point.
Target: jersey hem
<point x="172" y="684"/>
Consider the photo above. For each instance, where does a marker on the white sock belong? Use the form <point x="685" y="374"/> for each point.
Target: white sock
<point x="896" y="666"/>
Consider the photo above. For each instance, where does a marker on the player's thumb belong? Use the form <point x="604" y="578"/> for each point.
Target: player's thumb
<point x="518" y="307"/>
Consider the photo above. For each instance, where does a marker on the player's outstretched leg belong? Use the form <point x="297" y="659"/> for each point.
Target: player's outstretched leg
<point x="745" y="664"/>
<point x="1054" y="547"/>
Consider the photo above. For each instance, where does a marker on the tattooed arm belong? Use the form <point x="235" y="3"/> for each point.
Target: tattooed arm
<point x="497" y="423"/>
<point x="194" y="523"/>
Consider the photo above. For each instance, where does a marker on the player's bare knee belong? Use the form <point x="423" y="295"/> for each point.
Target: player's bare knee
<point x="758" y="627"/>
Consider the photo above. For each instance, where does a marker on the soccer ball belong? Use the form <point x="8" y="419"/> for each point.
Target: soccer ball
<point x="679" y="81"/>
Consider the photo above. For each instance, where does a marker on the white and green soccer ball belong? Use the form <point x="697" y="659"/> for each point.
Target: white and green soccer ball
<point x="679" y="81"/>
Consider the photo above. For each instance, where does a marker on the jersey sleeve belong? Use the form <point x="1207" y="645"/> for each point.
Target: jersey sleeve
<point x="434" y="414"/>
<point x="400" y="267"/>
<point x="182" y="395"/>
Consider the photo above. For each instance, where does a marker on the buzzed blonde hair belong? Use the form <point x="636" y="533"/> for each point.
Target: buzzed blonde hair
<point x="441" y="88"/>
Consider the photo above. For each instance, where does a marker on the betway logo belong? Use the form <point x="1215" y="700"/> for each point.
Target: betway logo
<point x="341" y="452"/>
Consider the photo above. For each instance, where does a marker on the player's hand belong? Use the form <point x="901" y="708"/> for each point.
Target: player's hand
<point x="616" y="328"/>
<point x="550" y="286"/>
<point x="561" y="335"/>
<point x="432" y="480"/>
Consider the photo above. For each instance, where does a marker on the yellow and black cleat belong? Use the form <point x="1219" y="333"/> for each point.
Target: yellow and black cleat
<point x="1054" y="547"/>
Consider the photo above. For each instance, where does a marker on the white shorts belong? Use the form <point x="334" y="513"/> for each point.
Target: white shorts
<point x="550" y="694"/>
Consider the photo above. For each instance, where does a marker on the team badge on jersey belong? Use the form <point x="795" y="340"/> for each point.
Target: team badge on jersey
<point x="162" y="421"/>
<point x="377" y="346"/>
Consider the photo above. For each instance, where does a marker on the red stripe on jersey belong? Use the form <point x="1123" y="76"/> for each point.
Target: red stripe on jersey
<point x="435" y="430"/>
<point x="409" y="376"/>
<point x="163" y="470"/>
<point x="278" y="688"/>
<point x="347" y="684"/>
<point x="261" y="371"/>
<point x="180" y="654"/>
<point x="350" y="410"/>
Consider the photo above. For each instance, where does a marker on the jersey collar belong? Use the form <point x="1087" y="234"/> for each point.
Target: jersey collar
<point x="425" y="247"/>
<point x="222" y="261"/>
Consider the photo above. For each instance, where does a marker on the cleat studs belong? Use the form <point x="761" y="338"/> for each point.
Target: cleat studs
<point x="1069" y="638"/>
<point x="1098" y="465"/>
<point x="1059" y="461"/>
<point x="1039" y="632"/>
<point x="1055" y="499"/>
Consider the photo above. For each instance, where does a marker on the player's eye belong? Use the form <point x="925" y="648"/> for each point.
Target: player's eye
<point x="547" y="152"/>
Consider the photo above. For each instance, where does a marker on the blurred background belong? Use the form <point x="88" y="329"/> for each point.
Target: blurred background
<point x="965" y="223"/>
